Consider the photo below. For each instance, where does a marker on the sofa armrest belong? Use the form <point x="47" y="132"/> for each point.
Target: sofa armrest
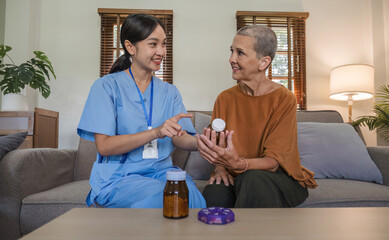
<point x="380" y="156"/>
<point x="27" y="171"/>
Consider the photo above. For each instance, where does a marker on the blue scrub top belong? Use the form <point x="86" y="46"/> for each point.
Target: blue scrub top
<point x="113" y="108"/>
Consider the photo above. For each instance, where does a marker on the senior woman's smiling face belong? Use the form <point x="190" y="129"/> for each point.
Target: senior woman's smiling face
<point x="243" y="59"/>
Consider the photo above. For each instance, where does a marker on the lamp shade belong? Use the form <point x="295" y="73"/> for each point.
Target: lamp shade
<point x="355" y="80"/>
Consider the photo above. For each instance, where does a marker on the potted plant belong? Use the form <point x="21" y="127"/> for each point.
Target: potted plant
<point x="381" y="120"/>
<point x="33" y="73"/>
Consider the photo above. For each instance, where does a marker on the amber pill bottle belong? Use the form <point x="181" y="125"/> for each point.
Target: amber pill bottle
<point x="176" y="195"/>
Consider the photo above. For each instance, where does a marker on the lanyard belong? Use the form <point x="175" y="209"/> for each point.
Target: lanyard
<point x="149" y="116"/>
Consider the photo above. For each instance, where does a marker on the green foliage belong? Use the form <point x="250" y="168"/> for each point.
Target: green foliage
<point x="381" y="120"/>
<point x="32" y="73"/>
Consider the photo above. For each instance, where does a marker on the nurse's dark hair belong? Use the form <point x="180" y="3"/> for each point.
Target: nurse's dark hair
<point x="135" y="28"/>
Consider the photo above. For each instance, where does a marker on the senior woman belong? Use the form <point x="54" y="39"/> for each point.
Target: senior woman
<point x="257" y="157"/>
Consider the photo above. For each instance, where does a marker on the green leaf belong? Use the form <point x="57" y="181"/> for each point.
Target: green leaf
<point x="42" y="56"/>
<point x="43" y="61"/>
<point x="39" y="83"/>
<point x="25" y="72"/>
<point x="10" y="85"/>
<point x="4" y="49"/>
<point x="384" y="132"/>
<point x="42" y="68"/>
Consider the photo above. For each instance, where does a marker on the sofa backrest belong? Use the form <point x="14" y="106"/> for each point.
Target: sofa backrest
<point x="325" y="116"/>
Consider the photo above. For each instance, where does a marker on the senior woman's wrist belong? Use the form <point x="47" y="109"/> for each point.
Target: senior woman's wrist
<point x="242" y="165"/>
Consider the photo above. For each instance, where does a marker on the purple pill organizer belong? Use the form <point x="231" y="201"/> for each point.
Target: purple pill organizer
<point x="216" y="215"/>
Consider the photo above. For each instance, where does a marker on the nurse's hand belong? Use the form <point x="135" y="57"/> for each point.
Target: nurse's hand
<point x="171" y="128"/>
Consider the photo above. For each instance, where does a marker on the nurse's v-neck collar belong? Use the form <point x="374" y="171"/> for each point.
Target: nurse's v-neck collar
<point x="133" y="84"/>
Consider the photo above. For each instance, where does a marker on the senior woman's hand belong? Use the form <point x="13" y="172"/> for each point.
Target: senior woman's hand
<point x="219" y="154"/>
<point x="221" y="174"/>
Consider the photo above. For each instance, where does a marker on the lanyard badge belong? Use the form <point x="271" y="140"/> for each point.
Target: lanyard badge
<point x="150" y="149"/>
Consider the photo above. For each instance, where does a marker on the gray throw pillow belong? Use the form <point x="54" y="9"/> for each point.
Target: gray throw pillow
<point x="11" y="142"/>
<point x="334" y="150"/>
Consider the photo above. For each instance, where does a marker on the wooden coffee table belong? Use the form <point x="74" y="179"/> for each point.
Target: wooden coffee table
<point x="297" y="223"/>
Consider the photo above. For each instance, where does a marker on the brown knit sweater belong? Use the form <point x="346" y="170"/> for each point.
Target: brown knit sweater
<point x="264" y="126"/>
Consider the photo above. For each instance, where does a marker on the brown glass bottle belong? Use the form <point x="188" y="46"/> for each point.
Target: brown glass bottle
<point x="176" y="195"/>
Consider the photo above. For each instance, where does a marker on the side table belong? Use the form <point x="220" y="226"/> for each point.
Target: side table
<point x="41" y="125"/>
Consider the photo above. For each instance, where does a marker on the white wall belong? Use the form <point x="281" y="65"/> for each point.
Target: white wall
<point x="68" y="31"/>
<point x="386" y="30"/>
<point x="2" y="26"/>
<point x="2" y="20"/>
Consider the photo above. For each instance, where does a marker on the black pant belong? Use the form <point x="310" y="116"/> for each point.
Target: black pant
<point x="257" y="189"/>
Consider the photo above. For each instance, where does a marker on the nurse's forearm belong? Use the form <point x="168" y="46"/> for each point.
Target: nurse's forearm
<point x="186" y="142"/>
<point x="119" y="144"/>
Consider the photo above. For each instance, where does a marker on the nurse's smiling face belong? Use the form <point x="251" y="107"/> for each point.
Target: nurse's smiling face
<point x="149" y="53"/>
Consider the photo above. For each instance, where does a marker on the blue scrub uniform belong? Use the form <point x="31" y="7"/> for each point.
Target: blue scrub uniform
<point x="113" y="108"/>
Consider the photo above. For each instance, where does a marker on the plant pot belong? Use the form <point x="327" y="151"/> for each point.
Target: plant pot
<point x="14" y="102"/>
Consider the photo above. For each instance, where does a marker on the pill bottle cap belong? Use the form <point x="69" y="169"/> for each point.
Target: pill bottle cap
<point x="218" y="124"/>
<point x="176" y="175"/>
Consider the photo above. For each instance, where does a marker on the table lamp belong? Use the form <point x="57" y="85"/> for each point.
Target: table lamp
<point x="353" y="82"/>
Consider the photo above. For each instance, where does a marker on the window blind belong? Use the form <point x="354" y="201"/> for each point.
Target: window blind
<point x="289" y="65"/>
<point x="110" y="46"/>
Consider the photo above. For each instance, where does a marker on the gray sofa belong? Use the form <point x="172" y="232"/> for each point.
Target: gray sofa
<point x="37" y="185"/>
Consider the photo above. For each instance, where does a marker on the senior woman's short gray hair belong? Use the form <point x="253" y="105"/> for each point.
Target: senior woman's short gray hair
<point x="265" y="40"/>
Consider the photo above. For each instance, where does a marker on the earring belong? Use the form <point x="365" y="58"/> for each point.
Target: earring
<point x="130" y="58"/>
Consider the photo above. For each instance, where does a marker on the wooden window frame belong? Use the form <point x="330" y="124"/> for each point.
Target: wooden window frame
<point x="296" y="39"/>
<point x="109" y="47"/>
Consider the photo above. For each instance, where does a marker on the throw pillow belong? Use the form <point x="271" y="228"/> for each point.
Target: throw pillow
<point x="11" y="142"/>
<point x="334" y="150"/>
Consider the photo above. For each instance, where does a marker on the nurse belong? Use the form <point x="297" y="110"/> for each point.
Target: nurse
<point x="136" y="120"/>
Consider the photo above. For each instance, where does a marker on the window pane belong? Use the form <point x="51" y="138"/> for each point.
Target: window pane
<point x="281" y="81"/>
<point x="282" y="38"/>
<point x="115" y="34"/>
<point x="284" y="82"/>
<point x="280" y="65"/>
<point x="114" y="54"/>
<point x="160" y="71"/>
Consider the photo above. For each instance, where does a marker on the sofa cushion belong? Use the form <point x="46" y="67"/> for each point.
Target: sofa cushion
<point x="11" y="142"/>
<point x="197" y="167"/>
<point x="201" y="121"/>
<point x="347" y="193"/>
<point x="40" y="208"/>
<point x="334" y="150"/>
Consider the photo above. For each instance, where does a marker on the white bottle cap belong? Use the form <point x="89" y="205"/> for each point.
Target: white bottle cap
<point x="176" y="175"/>
<point x="218" y="124"/>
